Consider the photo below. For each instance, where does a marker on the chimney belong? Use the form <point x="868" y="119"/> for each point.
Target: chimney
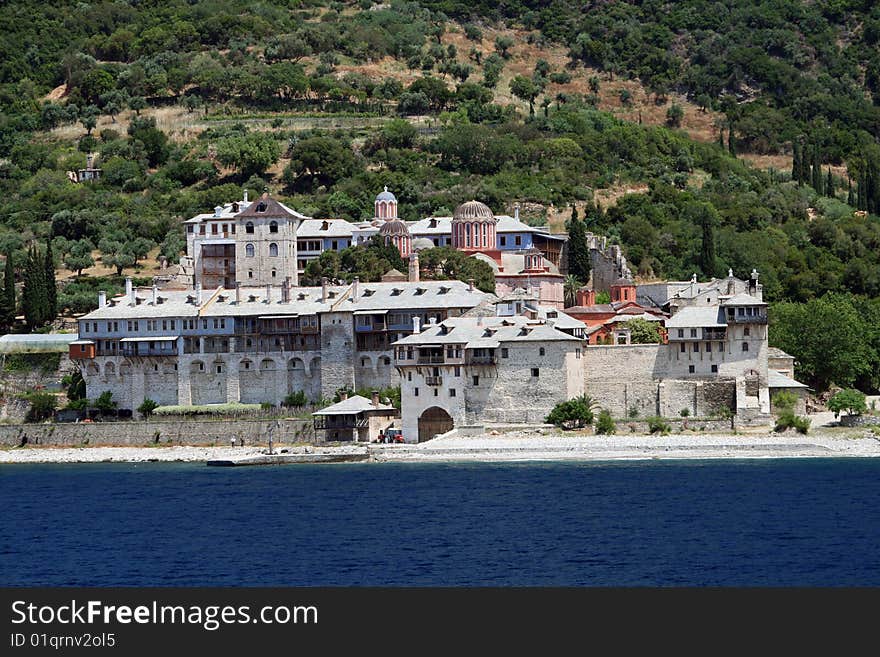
<point x="416" y="325"/>
<point x="323" y="289"/>
<point x="155" y="294"/>
<point x="343" y="395"/>
<point x="414" y="267"/>
<point x="470" y="285"/>
<point x="268" y="293"/>
<point x="354" y="288"/>
<point x="245" y="195"/>
<point x="375" y="398"/>
<point x="198" y="294"/>
<point x="237" y="293"/>
<point x="285" y="290"/>
<point x="102" y="299"/>
<point x="89" y="161"/>
<point x="516" y="211"/>
<point x="129" y="291"/>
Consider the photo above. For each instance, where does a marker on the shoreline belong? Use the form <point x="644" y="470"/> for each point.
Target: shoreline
<point x="521" y="447"/>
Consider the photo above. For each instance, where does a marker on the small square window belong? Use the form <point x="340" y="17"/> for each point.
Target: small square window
<point x="541" y="352"/>
<point x="691" y="369"/>
<point x="683" y="347"/>
<point x="745" y="346"/>
<point x="452" y="392"/>
<point x="714" y="369"/>
<point x="696" y="347"/>
<point x="436" y="392"/>
<point x="476" y="379"/>
<point x="415" y="392"/>
<point x="504" y="352"/>
<point x="534" y="371"/>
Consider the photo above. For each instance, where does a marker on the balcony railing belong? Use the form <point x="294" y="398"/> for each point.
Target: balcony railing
<point x="434" y="380"/>
<point x="714" y="334"/>
<point x="430" y="360"/>
<point x="482" y="360"/>
<point x="339" y="422"/>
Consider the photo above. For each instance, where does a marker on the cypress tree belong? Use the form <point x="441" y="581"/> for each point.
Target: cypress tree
<point x="850" y="196"/>
<point x="804" y="175"/>
<point x="33" y="295"/>
<point x="574" y="212"/>
<point x="721" y="137"/>
<point x="578" y="251"/>
<point x="707" y="248"/>
<point x="731" y="142"/>
<point x="51" y="288"/>
<point x="796" y="163"/>
<point x="7" y="301"/>
<point x="829" y="184"/>
<point x="817" y="172"/>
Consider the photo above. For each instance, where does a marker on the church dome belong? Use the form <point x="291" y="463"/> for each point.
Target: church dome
<point x="385" y="195"/>
<point x="394" y="228"/>
<point x="474" y="211"/>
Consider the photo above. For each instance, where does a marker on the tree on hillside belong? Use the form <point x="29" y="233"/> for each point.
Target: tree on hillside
<point x="79" y="257"/>
<point x="525" y="89"/>
<point x="319" y="161"/>
<point x="34" y="298"/>
<point x="503" y="44"/>
<point x="116" y="254"/>
<point x="250" y="154"/>
<point x="578" y="251"/>
<point x="7" y="300"/>
<point x="49" y="280"/>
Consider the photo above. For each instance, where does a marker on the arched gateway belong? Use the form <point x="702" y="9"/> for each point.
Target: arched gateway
<point x="432" y="422"/>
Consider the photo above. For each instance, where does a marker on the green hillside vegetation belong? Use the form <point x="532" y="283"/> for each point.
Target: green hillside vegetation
<point x="436" y="123"/>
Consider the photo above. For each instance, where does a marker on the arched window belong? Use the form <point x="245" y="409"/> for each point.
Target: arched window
<point x="273" y="226"/>
<point x="273" y="249"/>
<point x="249" y="250"/>
<point x="249" y="228"/>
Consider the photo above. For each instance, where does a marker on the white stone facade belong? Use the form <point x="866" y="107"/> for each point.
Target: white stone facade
<point x="469" y="371"/>
<point x="255" y="345"/>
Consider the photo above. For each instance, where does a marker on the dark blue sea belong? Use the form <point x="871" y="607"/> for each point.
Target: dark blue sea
<point x="793" y="522"/>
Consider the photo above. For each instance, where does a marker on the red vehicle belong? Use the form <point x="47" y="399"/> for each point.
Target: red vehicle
<point x="393" y="436"/>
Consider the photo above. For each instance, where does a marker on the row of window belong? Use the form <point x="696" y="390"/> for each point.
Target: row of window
<point x="708" y="348"/>
<point x="692" y="369"/>
<point x="134" y="325"/>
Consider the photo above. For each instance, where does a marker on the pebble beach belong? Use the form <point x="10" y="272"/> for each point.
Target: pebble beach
<point x="514" y="446"/>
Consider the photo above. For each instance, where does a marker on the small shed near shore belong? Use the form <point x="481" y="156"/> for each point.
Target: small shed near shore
<point x="355" y="418"/>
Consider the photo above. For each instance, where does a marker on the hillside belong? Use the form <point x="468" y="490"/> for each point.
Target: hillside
<point x="660" y="123"/>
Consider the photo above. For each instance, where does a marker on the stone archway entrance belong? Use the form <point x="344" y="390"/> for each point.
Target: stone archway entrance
<point x="433" y="421"/>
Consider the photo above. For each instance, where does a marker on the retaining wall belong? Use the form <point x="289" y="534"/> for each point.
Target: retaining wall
<point x="184" y="432"/>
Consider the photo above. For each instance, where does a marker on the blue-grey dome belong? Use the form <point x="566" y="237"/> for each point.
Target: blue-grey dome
<point x="386" y="196"/>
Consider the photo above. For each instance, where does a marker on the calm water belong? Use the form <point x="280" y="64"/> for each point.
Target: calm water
<point x="767" y="522"/>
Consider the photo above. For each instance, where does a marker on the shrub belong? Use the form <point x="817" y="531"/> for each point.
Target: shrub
<point x="787" y="419"/>
<point x="685" y="412"/>
<point x="295" y="399"/>
<point x="633" y="413"/>
<point x="850" y="400"/>
<point x="572" y="414"/>
<point x="265" y="406"/>
<point x="104" y="402"/>
<point x="657" y="424"/>
<point x="605" y="423"/>
<point x="212" y="409"/>
<point x="42" y="406"/>
<point x="147" y="407"/>
<point x="784" y="401"/>
<point x="77" y="404"/>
